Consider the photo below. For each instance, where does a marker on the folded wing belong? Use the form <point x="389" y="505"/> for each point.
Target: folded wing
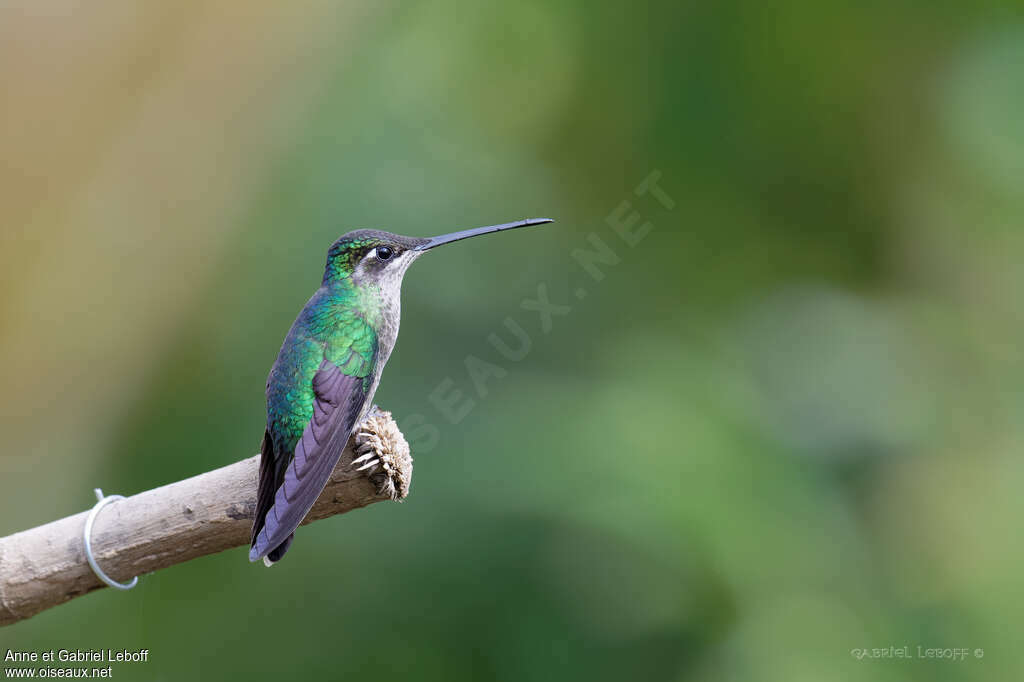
<point x="339" y="402"/>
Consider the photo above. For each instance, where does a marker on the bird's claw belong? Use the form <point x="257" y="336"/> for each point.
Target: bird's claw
<point x="383" y="454"/>
<point x="369" y="455"/>
<point x="368" y="447"/>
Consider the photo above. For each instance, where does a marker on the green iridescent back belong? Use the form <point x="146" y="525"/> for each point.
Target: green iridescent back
<point x="339" y="324"/>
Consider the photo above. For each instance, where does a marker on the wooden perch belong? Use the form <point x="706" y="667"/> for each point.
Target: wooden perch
<point x="46" y="566"/>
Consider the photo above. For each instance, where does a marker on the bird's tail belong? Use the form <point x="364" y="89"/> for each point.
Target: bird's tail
<point x="269" y="482"/>
<point x="275" y="554"/>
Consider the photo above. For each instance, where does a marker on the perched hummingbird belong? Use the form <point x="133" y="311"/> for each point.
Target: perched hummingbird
<point x="322" y="383"/>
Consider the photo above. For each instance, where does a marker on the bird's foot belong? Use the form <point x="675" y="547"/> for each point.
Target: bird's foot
<point x="371" y="458"/>
<point x="380" y="449"/>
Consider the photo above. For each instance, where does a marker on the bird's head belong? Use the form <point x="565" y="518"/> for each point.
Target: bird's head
<point x="373" y="256"/>
<point x="365" y="256"/>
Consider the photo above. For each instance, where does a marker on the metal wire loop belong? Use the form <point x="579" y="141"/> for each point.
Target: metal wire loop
<point x="101" y="502"/>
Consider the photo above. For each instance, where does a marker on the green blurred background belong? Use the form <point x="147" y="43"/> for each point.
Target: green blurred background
<point x="787" y="424"/>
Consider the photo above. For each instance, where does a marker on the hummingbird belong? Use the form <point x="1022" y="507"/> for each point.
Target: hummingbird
<point x="321" y="386"/>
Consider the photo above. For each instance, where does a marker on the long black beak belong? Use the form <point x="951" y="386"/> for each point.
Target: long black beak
<point x="477" y="231"/>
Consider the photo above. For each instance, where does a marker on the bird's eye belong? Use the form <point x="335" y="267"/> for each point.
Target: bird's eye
<point x="385" y="252"/>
